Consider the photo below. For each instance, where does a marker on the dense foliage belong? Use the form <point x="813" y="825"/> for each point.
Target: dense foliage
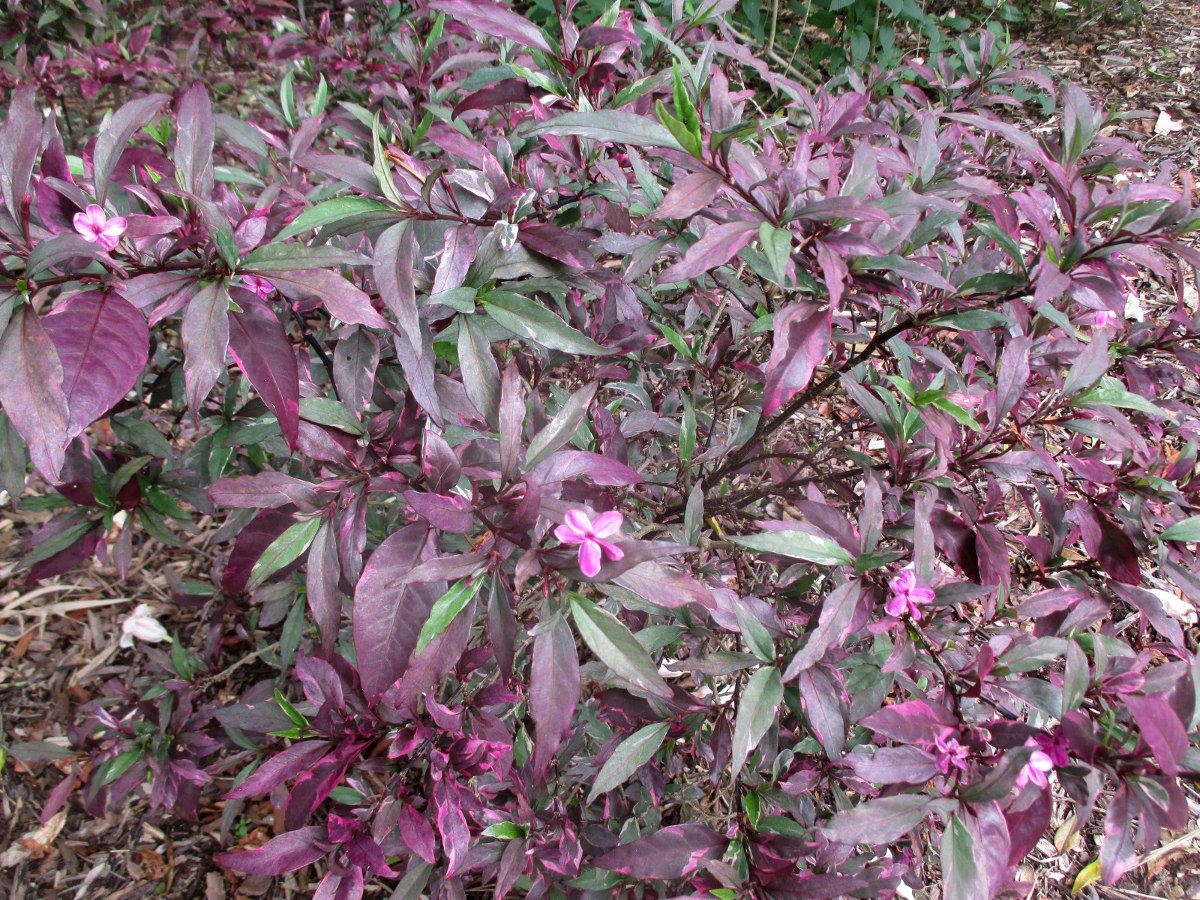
<point x="640" y="474"/>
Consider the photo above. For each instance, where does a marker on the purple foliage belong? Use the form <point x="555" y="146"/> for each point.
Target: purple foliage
<point x="593" y="447"/>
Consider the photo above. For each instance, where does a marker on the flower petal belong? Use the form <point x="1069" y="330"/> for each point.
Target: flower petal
<point x="578" y="521"/>
<point x="589" y="558"/>
<point x="611" y="550"/>
<point x="568" y="535"/>
<point x="607" y="524"/>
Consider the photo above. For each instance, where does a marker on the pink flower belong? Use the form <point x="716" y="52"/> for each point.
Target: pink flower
<point x="907" y="595"/>
<point x="257" y="285"/>
<point x="950" y="753"/>
<point x="95" y="227"/>
<point x="1035" y="770"/>
<point x="1104" y="318"/>
<point x="1053" y="745"/>
<point x="591" y="538"/>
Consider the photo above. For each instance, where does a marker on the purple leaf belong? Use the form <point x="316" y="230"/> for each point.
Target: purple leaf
<point x="690" y="194"/>
<point x="251" y="542"/>
<point x="554" y="242"/>
<point x="102" y="342"/>
<point x="194" y="142"/>
<point x="510" y="90"/>
<point x="1108" y="544"/>
<point x="354" y="363"/>
<point x="19" y="141"/>
<point x="825" y="707"/>
<point x="286" y="853"/>
<point x="266" y="490"/>
<point x="553" y="689"/>
<point x="459" y="253"/>
<point x="1013" y="375"/>
<point x="394" y="254"/>
<point x="511" y="419"/>
<point x="124" y="123"/>
<point x="289" y="763"/>
<point x="493" y="19"/>
<point x="388" y="612"/>
<point x="1160" y="728"/>
<point x="673" y="852"/>
<point x="837" y="613"/>
<point x="31" y="390"/>
<point x="322" y="577"/>
<point x="878" y="821"/>
<point x="345" y="886"/>
<point x="719" y="244"/>
<point x="205" y="335"/>
<point x="893" y="765"/>
<point x="341" y="299"/>
<point x="911" y="722"/>
<point x="262" y="351"/>
<point x="1117" y="855"/>
<point x="803" y="332"/>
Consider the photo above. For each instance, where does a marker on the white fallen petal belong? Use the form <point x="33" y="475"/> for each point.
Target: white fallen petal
<point x="1166" y="125"/>
<point x="142" y="625"/>
<point x="1175" y="606"/>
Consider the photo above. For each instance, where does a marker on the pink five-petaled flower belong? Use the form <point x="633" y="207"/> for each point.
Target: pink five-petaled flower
<point x="1104" y="318"/>
<point x="591" y="538"/>
<point x="95" y="227"/>
<point x="259" y="286"/>
<point x="1053" y="745"/>
<point x="950" y="753"/>
<point x="907" y="595"/>
<point x="1035" y="770"/>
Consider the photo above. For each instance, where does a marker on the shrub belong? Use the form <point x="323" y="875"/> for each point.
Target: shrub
<point x="627" y="490"/>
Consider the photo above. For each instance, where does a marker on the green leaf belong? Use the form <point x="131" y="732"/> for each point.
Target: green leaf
<point x="777" y="248"/>
<point x="445" y="609"/>
<point x="506" y="831"/>
<point x="971" y="320"/>
<point x="617" y="648"/>
<point x="383" y="171"/>
<point x="1088" y="875"/>
<point x="55" y="544"/>
<point x="284" y="551"/>
<point x="755" y="634"/>
<point x="687" y="432"/>
<point x="609" y="125"/>
<point x="677" y="130"/>
<point x="321" y="98"/>
<point x="675" y="339"/>
<point x="956" y="412"/>
<point x="757" y="709"/>
<point x="630" y="755"/>
<point x="339" y="213"/>
<point x="1187" y="530"/>
<point x="112" y="769"/>
<point x="290" y="711"/>
<point x="961" y="877"/>
<point x="531" y="320"/>
<point x="1111" y="392"/>
<point x="684" y="108"/>
<point x="562" y="427"/>
<point x="326" y="411"/>
<point x="287" y="99"/>
<point x="796" y="544"/>
<point x="293" y="257"/>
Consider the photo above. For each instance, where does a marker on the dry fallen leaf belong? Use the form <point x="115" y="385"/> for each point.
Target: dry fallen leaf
<point x="34" y="844"/>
